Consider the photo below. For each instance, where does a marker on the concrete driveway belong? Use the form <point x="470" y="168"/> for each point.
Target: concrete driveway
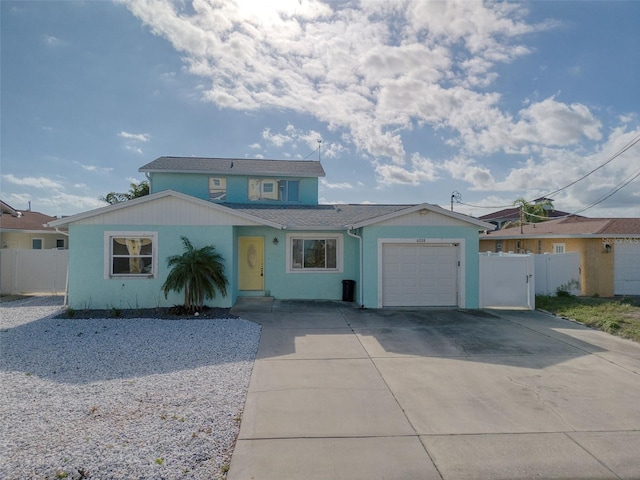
<point x="341" y="393"/>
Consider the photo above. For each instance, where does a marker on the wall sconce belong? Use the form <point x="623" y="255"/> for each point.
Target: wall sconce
<point x="275" y="240"/>
<point x="607" y="248"/>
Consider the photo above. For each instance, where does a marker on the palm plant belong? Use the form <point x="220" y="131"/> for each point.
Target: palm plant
<point x="199" y="272"/>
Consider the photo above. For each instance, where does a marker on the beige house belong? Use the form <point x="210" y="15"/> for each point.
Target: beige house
<point x="24" y="229"/>
<point x="609" y="249"/>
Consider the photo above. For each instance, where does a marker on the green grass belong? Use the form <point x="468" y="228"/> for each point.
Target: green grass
<point x="617" y="316"/>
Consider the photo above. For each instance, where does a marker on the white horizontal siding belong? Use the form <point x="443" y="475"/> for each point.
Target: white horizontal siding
<point x="167" y="211"/>
<point x="416" y="219"/>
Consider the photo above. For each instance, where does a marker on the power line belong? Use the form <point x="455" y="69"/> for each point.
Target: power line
<point x="628" y="146"/>
<point x="624" y="149"/>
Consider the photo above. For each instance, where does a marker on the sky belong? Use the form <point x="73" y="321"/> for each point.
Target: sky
<point x="404" y="102"/>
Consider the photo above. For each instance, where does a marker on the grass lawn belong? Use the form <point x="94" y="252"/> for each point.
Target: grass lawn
<point x="618" y="316"/>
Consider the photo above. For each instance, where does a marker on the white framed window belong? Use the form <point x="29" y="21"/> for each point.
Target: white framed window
<point x="309" y="253"/>
<point x="217" y="188"/>
<point x="60" y="243"/>
<point x="37" y="243"/>
<point x="558" y="248"/>
<point x="261" y="189"/>
<point x="130" y="254"/>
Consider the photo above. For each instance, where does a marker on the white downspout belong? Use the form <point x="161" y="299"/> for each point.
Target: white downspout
<point x="349" y="230"/>
<point x="66" y="283"/>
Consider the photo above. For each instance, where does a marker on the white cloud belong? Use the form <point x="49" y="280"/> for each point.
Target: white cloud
<point x="94" y="168"/>
<point x="137" y="137"/>
<point x="335" y="186"/>
<point x="53" y="41"/>
<point x="346" y="65"/>
<point x="35" y="182"/>
<point x="132" y="141"/>
<point x="374" y="71"/>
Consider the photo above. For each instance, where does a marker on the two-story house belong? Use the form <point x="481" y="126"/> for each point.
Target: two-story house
<point x="264" y="218"/>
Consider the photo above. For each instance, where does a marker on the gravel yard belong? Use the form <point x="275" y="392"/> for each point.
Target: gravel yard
<point x="119" y="397"/>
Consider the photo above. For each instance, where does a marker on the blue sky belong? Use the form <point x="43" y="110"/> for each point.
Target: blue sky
<point x="412" y="100"/>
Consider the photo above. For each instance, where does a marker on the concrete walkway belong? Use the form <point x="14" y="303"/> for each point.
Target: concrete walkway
<point x="341" y="393"/>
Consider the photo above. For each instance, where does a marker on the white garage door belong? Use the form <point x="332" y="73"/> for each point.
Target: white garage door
<point x="419" y="275"/>
<point x="626" y="268"/>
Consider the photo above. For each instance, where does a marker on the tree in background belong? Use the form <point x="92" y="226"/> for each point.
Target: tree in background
<point x="535" y="212"/>
<point x="136" y="190"/>
<point x="199" y="272"/>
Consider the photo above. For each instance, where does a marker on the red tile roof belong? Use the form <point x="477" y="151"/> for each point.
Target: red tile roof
<point x="26" y="221"/>
<point x="573" y="226"/>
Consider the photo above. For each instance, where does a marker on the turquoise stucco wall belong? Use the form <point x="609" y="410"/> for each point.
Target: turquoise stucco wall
<point x="197" y="185"/>
<point x="282" y="285"/>
<point x="89" y="289"/>
<point x="371" y="235"/>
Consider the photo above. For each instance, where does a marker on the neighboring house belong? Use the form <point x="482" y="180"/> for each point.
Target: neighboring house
<point x="509" y="216"/>
<point x="24" y="229"/>
<point x="263" y="217"/>
<point x="609" y="249"/>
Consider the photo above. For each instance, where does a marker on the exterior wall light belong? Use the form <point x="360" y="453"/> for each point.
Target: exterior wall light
<point x="607" y="248"/>
<point x="275" y="240"/>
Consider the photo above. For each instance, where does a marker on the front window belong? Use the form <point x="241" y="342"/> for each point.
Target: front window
<point x="217" y="189"/>
<point x="313" y="253"/>
<point x="261" y="189"/>
<point x="131" y="254"/>
<point x="36" y="243"/>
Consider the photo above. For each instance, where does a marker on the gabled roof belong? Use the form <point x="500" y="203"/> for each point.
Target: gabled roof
<point x="235" y="166"/>
<point x="300" y="217"/>
<point x="572" y="226"/>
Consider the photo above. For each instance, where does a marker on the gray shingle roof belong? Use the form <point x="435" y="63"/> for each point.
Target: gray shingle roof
<point x="235" y="166"/>
<point x="317" y="216"/>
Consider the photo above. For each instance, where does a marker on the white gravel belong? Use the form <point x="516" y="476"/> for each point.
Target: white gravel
<point x="119" y="398"/>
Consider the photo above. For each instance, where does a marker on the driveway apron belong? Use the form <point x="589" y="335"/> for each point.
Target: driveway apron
<point x="343" y="393"/>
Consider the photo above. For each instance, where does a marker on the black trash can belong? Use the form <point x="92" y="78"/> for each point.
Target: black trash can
<point x="348" y="290"/>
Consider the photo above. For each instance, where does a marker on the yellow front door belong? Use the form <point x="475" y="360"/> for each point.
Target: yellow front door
<point x="251" y="263"/>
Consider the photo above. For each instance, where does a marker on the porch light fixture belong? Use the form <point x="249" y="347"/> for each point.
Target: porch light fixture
<point x="607" y="248"/>
<point x="275" y="240"/>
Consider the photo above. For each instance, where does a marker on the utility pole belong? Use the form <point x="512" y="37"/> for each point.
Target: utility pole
<point x="319" y="148"/>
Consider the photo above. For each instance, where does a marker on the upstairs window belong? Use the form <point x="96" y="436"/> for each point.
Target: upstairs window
<point x="217" y="189"/>
<point x="271" y="189"/>
<point x="130" y="254"/>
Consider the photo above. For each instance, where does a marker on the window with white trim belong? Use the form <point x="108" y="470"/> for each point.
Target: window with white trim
<point x="131" y="254"/>
<point x="37" y="243"/>
<point x="558" y="248"/>
<point x="314" y="253"/>
<point x="261" y="189"/>
<point x="217" y="188"/>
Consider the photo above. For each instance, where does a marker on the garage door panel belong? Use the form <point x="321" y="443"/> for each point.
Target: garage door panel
<point x="626" y="268"/>
<point x="419" y="275"/>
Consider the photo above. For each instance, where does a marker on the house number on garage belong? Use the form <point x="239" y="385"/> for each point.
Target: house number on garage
<point x="421" y="240"/>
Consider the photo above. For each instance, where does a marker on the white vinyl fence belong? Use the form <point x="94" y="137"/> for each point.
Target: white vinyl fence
<point x="33" y="271"/>
<point x="558" y="271"/>
<point x="507" y="280"/>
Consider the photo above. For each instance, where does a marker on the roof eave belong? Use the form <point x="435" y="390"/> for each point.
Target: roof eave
<point x="156" y="196"/>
